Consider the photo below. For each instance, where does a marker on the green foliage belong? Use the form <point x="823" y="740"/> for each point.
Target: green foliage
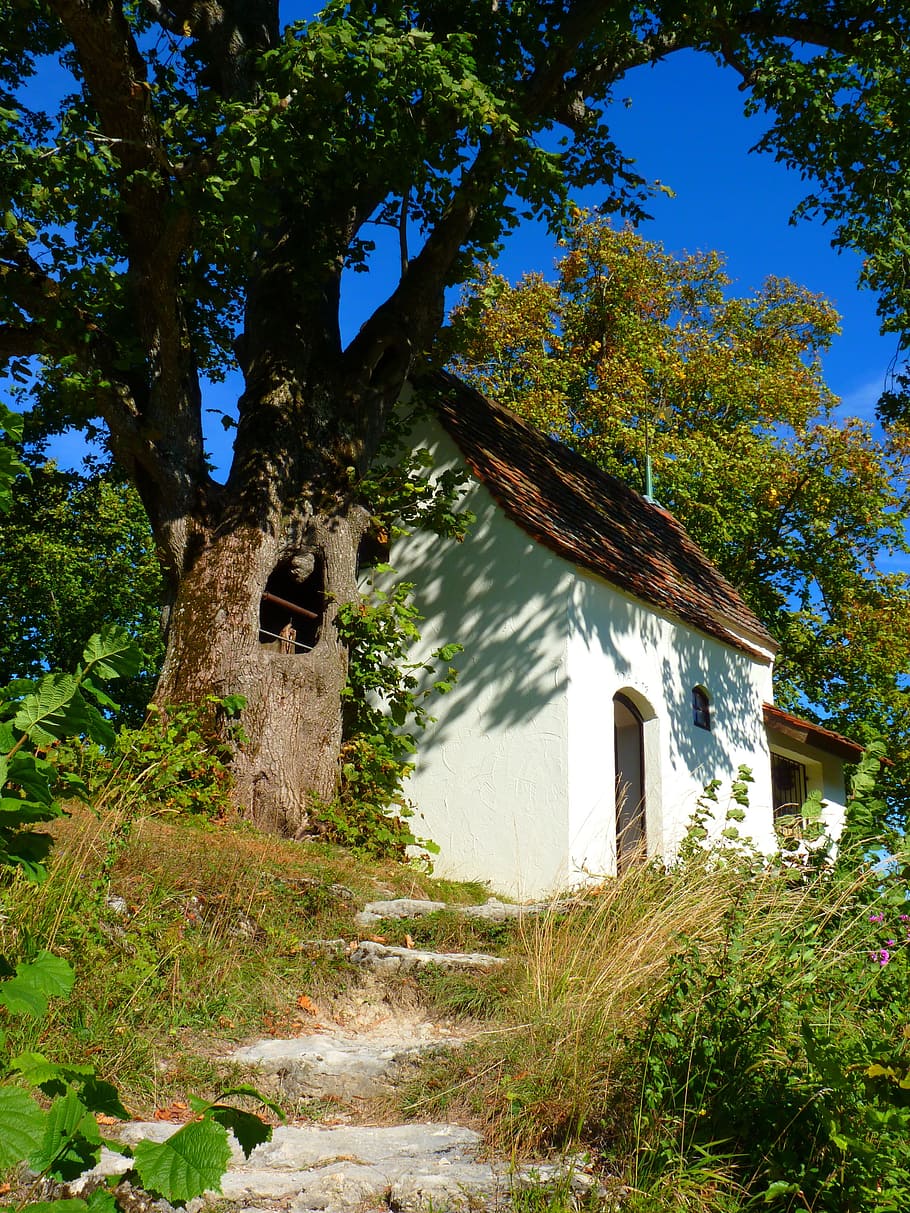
<point x="384" y="701"/>
<point x="35" y="716"/>
<point x="178" y="761"/>
<point x="77" y="555"/>
<point x="11" y="465"/>
<point x="781" y="1050"/>
<point x="402" y="491"/>
<point x="59" y="1137"/>
<point x="385" y="706"/>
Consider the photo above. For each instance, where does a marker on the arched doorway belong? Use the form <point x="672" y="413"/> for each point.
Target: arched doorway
<point x="629" y="750"/>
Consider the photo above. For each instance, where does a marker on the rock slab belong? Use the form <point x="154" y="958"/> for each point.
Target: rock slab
<point x="334" y="1066"/>
<point x="410" y="1168"/>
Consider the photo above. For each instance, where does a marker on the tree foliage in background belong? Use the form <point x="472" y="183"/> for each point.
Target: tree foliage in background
<point x="630" y="348"/>
<point x="77" y="554"/>
<point x="184" y="197"/>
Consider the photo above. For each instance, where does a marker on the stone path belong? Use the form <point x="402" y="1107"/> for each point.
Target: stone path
<point x="414" y="1168"/>
<point x="344" y="1167"/>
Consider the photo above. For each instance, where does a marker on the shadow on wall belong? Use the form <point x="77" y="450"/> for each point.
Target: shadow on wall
<point x="665" y="662"/>
<point x="504" y="598"/>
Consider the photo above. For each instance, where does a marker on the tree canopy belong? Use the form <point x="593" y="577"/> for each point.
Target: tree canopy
<point x="632" y="352"/>
<point x="77" y="555"/>
<point x="187" y="198"/>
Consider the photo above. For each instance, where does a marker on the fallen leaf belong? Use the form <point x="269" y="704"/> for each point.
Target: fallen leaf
<point x="378" y="938"/>
<point x="102" y="1118"/>
<point x="409" y="941"/>
<point x="306" y="1004"/>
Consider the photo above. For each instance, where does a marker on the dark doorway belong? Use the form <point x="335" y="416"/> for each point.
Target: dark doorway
<point x="629" y="750"/>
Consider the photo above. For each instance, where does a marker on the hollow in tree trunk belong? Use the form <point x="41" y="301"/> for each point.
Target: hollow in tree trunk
<point x="223" y="639"/>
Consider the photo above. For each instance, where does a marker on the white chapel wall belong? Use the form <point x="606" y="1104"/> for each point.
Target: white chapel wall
<point x="617" y="644"/>
<point x="491" y="778"/>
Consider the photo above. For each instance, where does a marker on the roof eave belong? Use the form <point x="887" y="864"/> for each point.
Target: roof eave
<point x="806" y="732"/>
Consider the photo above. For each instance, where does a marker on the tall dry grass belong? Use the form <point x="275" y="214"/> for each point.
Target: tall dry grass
<point x="589" y="978"/>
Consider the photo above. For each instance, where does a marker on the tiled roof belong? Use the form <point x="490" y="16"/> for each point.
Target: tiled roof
<point x="807" y="733"/>
<point x="594" y="520"/>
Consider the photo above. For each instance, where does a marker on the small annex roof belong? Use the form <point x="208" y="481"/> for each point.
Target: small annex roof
<point x="807" y="733"/>
<point x="593" y="519"/>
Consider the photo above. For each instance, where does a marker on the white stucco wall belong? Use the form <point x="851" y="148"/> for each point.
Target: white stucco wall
<point x="617" y="644"/>
<point x="491" y="778"/>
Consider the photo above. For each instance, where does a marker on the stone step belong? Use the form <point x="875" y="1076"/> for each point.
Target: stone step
<point x="417" y="1168"/>
<point x="491" y="911"/>
<point x="387" y="959"/>
<point x="336" y="1065"/>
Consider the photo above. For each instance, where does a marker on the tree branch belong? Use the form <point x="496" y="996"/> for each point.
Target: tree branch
<point x="156" y="232"/>
<point x="415" y="309"/>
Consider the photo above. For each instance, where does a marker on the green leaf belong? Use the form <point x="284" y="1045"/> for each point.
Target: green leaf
<point x="102" y="1201"/>
<point x="56" y="710"/>
<point x="21" y="1126"/>
<point x="780" y="1187"/>
<point x="103" y="1097"/>
<point x="249" y="1129"/>
<point x="36" y="1070"/>
<point x="27" y="852"/>
<point x="189" y="1163"/>
<point x="111" y="653"/>
<point x="35" y="983"/>
<point x="71" y="1142"/>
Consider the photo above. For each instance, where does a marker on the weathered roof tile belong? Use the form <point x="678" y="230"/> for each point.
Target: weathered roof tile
<point x="595" y="520"/>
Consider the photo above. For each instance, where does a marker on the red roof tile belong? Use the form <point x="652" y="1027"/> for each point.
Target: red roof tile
<point x="807" y="733"/>
<point x="594" y="520"/>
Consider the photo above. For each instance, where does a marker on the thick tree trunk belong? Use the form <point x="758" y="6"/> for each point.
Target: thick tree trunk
<point x="217" y="646"/>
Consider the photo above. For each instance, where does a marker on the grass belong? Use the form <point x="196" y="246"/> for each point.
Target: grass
<point x="563" y="1061"/>
<point x="186" y="936"/>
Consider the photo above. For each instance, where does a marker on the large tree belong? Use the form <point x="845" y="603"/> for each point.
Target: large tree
<point x="192" y="203"/>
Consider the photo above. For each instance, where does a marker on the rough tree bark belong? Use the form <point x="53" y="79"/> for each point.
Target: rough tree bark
<point x="292" y="718"/>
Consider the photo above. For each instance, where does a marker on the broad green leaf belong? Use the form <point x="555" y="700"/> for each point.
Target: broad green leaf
<point x="71" y="1142"/>
<point x="55" y="711"/>
<point x="189" y="1163"/>
<point x="36" y="1069"/>
<point x="33" y="775"/>
<point x="21" y="1126"/>
<point x="100" y="1096"/>
<point x="249" y="1129"/>
<point x="35" y="983"/>
<point x="111" y="653"/>
<point x="27" y="852"/>
<point x="102" y="1201"/>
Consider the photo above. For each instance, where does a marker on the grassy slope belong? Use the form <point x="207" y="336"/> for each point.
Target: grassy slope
<point x="186" y="936"/>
